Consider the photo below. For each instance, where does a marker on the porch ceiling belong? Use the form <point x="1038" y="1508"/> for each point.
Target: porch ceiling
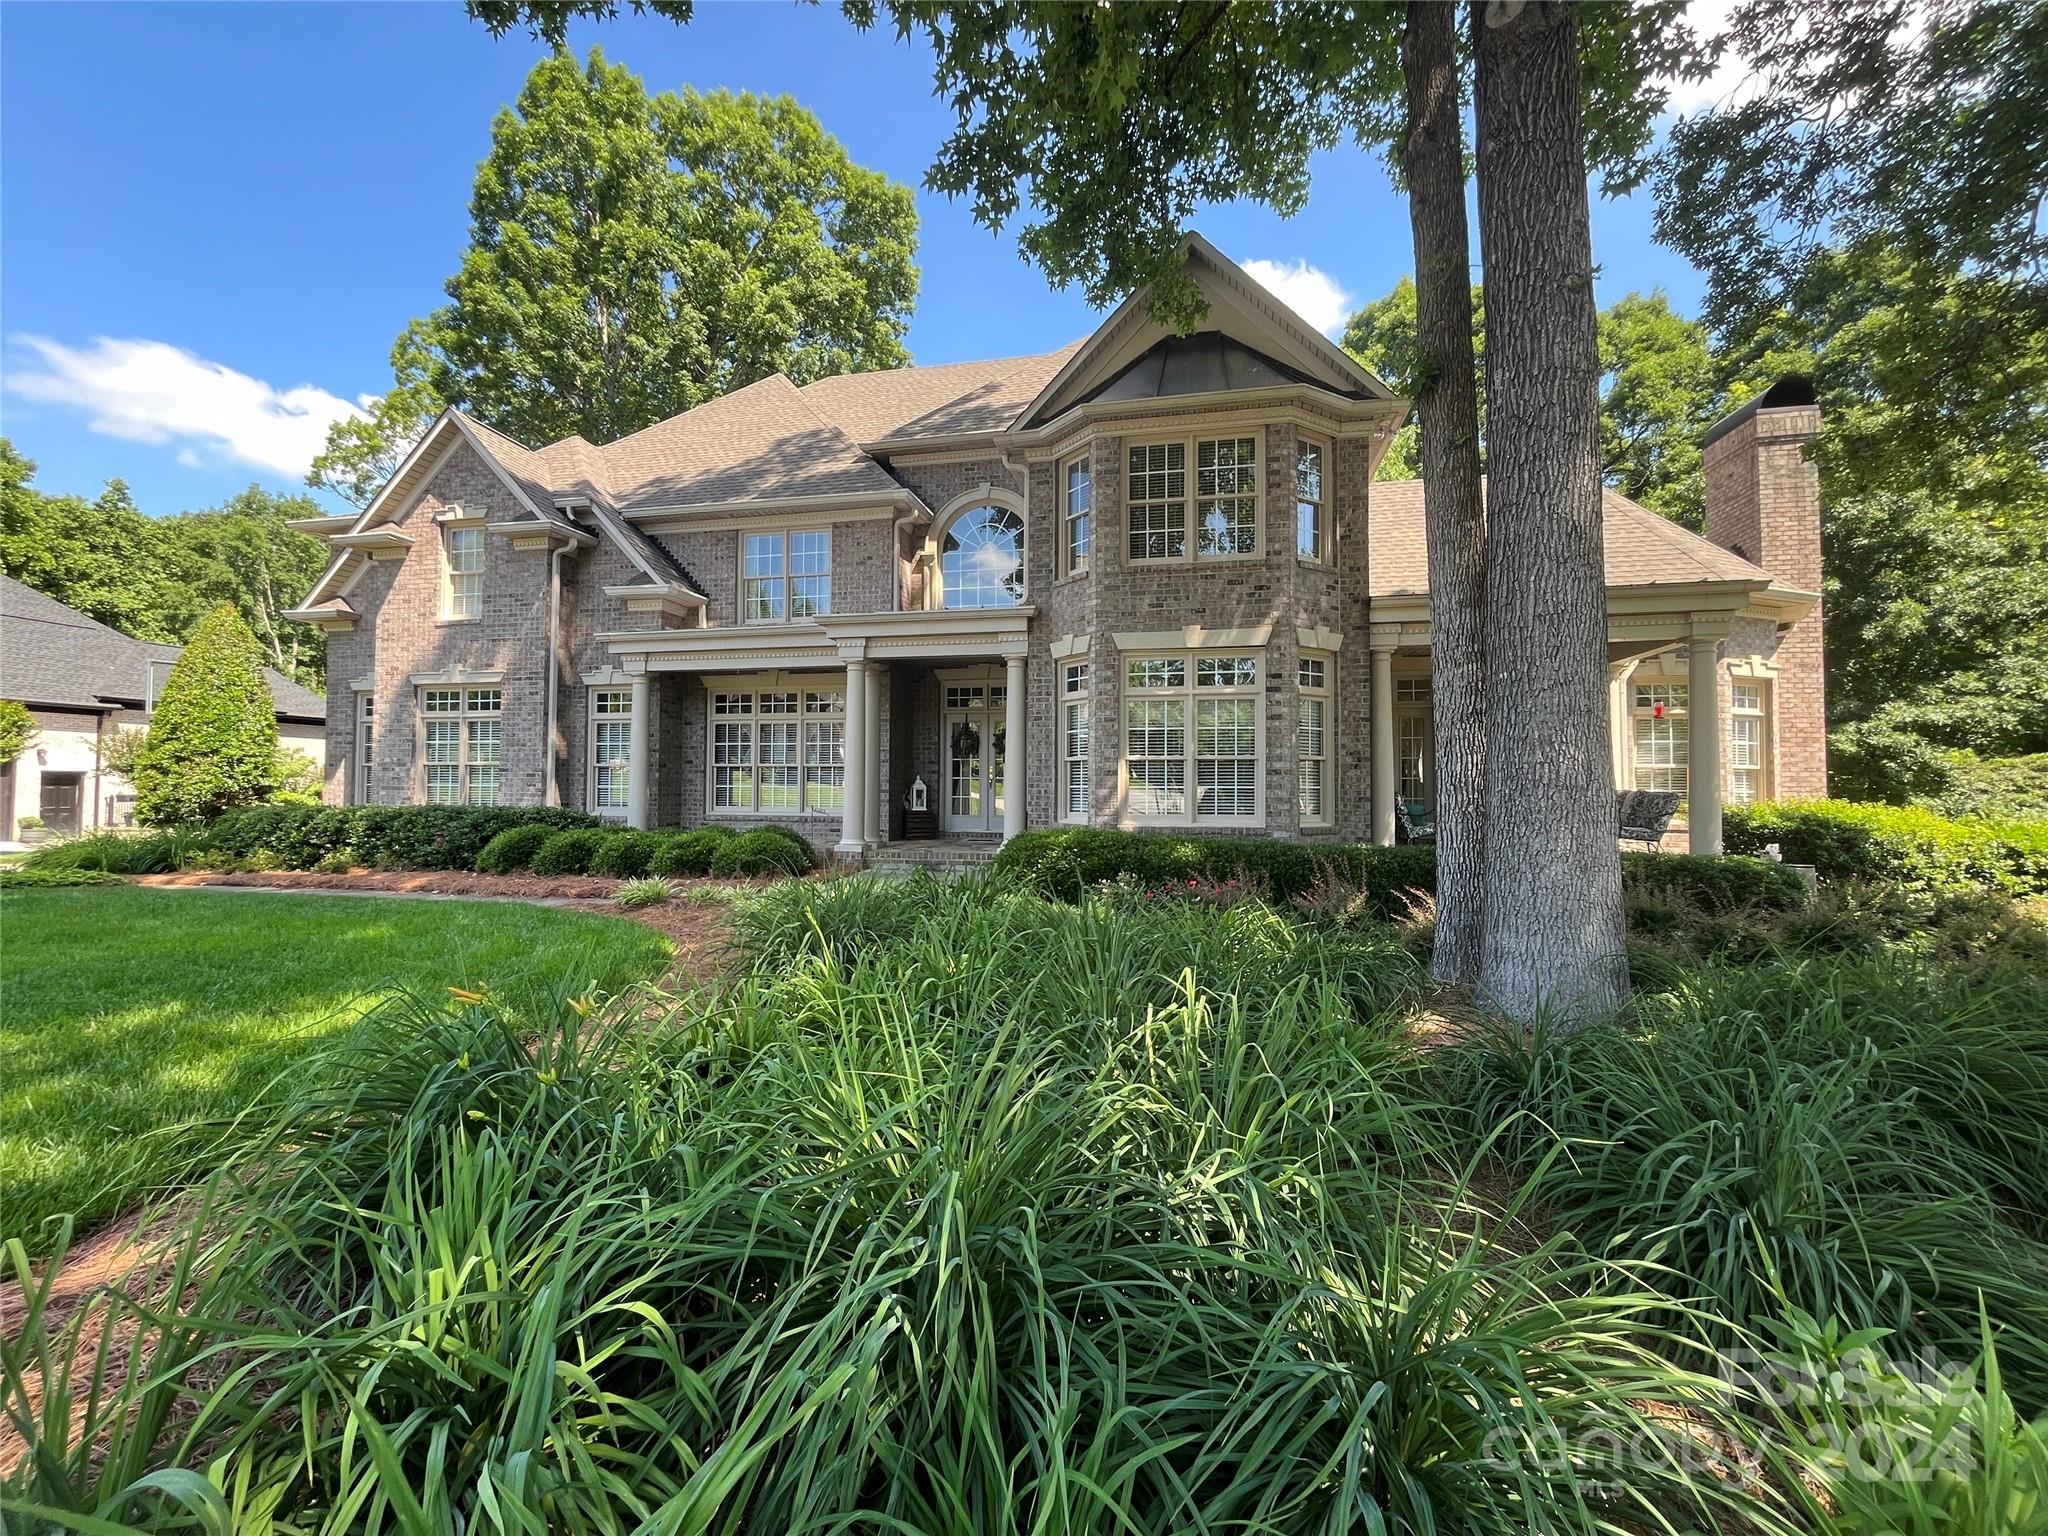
<point x="954" y="634"/>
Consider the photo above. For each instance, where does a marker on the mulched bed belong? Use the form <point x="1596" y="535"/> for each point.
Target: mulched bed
<point x="421" y="882"/>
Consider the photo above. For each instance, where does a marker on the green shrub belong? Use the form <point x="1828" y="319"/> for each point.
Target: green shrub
<point x="37" y="879"/>
<point x="649" y="891"/>
<point x="2015" y="787"/>
<point x="763" y="851"/>
<point x="511" y="850"/>
<point x="1904" y="846"/>
<point x="124" y="853"/>
<point x="1067" y="862"/>
<point x="570" y="852"/>
<point x="383" y="836"/>
<point x="624" y="855"/>
<point x="689" y="853"/>
<point x="212" y="741"/>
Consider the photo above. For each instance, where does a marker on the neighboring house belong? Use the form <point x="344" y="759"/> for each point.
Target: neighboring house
<point x="82" y="682"/>
<point x="1145" y="580"/>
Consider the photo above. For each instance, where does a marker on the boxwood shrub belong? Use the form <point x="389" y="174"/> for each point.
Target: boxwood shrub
<point x="511" y="850"/>
<point x="689" y="853"/>
<point x="764" y="851"/>
<point x="624" y="855"/>
<point x="1064" y="863"/>
<point x="386" y="836"/>
<point x="569" y="852"/>
<point x="1902" y="846"/>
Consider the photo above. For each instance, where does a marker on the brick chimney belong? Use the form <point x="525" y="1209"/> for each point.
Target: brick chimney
<point x="1763" y="503"/>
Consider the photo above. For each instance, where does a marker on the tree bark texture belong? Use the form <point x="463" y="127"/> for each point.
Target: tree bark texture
<point x="1447" y="405"/>
<point x="1553" y="869"/>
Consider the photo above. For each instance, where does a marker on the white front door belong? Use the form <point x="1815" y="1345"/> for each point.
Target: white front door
<point x="974" y="732"/>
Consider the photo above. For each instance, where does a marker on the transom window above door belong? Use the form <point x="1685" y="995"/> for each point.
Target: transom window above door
<point x="981" y="559"/>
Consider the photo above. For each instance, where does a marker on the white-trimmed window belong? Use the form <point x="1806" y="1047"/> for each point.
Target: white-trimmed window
<point x="981" y="558"/>
<point x="366" y="735"/>
<point x="778" y="750"/>
<point x="1315" y="725"/>
<point x="1194" y="738"/>
<point x="1309" y="459"/>
<point x="1077" y="514"/>
<point x="1225" y="499"/>
<point x="461" y="745"/>
<point x="1748" y="738"/>
<point x="611" y="750"/>
<point x="1663" y="742"/>
<point x="785" y="575"/>
<point x="1076" y="797"/>
<point x="462" y="559"/>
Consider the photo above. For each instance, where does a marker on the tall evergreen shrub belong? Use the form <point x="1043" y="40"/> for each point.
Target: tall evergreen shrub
<point x="213" y="740"/>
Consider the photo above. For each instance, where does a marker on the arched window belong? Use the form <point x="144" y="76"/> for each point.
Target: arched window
<point x="981" y="559"/>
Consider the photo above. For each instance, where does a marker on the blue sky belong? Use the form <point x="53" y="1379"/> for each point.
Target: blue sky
<point x="214" y="218"/>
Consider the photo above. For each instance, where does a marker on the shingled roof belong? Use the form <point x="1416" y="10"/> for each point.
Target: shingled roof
<point x="55" y="656"/>
<point x="1644" y="548"/>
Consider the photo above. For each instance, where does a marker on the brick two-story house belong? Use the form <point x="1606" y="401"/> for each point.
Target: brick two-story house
<point x="1145" y="580"/>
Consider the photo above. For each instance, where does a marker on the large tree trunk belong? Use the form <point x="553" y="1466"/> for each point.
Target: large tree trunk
<point x="1553" y="869"/>
<point x="1433" y="160"/>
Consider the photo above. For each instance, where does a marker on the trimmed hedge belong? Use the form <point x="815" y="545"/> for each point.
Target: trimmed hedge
<point x="689" y="853"/>
<point x="384" y="836"/>
<point x="46" y="879"/>
<point x="1065" y="863"/>
<point x="1902" y="846"/>
<point x="570" y="852"/>
<point x="764" y="851"/>
<point x="511" y="850"/>
<point x="625" y="855"/>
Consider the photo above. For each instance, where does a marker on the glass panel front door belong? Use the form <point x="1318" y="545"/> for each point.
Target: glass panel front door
<point x="974" y="723"/>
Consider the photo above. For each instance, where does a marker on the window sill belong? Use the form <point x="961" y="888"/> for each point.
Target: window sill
<point x="1197" y="560"/>
<point x="1081" y="575"/>
<point x="444" y="621"/>
<point x="1312" y="563"/>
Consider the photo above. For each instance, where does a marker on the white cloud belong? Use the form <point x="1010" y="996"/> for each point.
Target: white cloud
<point x="1309" y="291"/>
<point x="153" y="392"/>
<point x="1733" y="81"/>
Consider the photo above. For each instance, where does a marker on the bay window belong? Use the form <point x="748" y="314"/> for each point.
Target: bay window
<point x="1193" y="737"/>
<point x="1308" y="500"/>
<point x="778" y="749"/>
<point x="1078" y="515"/>
<point x="461" y="745"/>
<point x="1225" y="498"/>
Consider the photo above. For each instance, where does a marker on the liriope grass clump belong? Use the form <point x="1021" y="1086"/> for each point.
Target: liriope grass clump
<point x="954" y="1212"/>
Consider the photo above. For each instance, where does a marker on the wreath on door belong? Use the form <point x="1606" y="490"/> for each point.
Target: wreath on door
<point x="966" y="740"/>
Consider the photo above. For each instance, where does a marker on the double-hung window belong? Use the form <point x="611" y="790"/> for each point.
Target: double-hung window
<point x="1748" y="761"/>
<point x="462" y="556"/>
<point x="366" y="708"/>
<point x="1075" y="795"/>
<point x="1077" y="514"/>
<point x="1225" y="499"/>
<point x="1192" y="738"/>
<point x="785" y="575"/>
<point x="1308" y="500"/>
<point x="611" y="747"/>
<point x="1314" y="722"/>
<point x="461" y="744"/>
<point x="1663" y="742"/>
<point x="778" y="750"/>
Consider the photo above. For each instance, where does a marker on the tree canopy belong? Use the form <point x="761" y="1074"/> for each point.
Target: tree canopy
<point x="156" y="577"/>
<point x="632" y="255"/>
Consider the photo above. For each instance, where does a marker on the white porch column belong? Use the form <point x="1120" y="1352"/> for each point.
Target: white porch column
<point x="856" y="753"/>
<point x="871" y="813"/>
<point x="636" y="754"/>
<point x="1386" y="778"/>
<point x="1703" y="717"/>
<point x="1013" y="749"/>
<point x="1617" y="718"/>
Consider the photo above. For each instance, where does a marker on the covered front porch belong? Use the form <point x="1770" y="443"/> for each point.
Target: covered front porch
<point x="1690" y="702"/>
<point x="860" y="731"/>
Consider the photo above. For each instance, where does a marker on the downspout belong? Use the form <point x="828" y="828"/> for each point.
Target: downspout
<point x="554" y="792"/>
<point x="99" y="733"/>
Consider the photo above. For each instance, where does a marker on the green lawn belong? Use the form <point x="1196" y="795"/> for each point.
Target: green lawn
<point x="125" y="1012"/>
